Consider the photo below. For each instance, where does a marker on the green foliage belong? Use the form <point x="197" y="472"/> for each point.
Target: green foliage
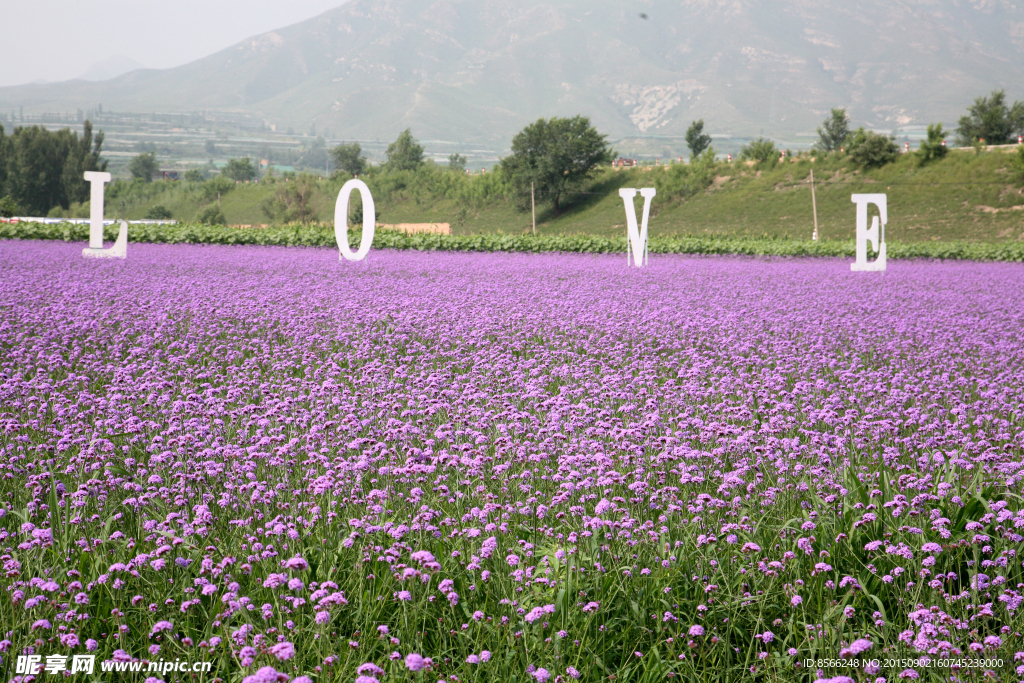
<point x="696" y="139"/>
<point x="932" y="148"/>
<point x="76" y="210"/>
<point x="681" y="181"/>
<point x="937" y="201"/>
<point x="404" y="154"/>
<point x="761" y="150"/>
<point x="869" y="149"/>
<point x="834" y="131"/>
<point x="211" y="215"/>
<point x="158" y="212"/>
<point x="291" y="202"/>
<point x="348" y="158"/>
<point x="239" y="169"/>
<point x="41" y="169"/>
<point x="456" y="163"/>
<point x="143" y="166"/>
<point x="8" y="208"/>
<point x="215" y="232"/>
<point x="557" y="156"/>
<point x="990" y="119"/>
<point x="194" y="175"/>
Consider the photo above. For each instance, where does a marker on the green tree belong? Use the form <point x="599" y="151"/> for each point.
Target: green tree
<point x="404" y="154"/>
<point x="239" y="169"/>
<point x="292" y="202"/>
<point x="990" y="119"/>
<point x="456" y="162"/>
<point x="869" y="149"/>
<point x="83" y="155"/>
<point x="44" y="168"/>
<point x="194" y="175"/>
<point x="696" y="139"/>
<point x="1017" y="119"/>
<point x="932" y="148"/>
<point x="143" y="166"/>
<point x="8" y="208"/>
<point x="834" y="131"/>
<point x="348" y="158"/>
<point x="760" y="150"/>
<point x="557" y="155"/>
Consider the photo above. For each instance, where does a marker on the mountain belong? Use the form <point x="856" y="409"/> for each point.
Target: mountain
<point x="479" y="70"/>
<point x="111" y="67"/>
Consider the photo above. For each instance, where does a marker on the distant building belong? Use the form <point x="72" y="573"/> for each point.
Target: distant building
<point x="624" y="162"/>
<point x="167" y="175"/>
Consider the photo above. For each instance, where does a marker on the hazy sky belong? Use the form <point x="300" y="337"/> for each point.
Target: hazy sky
<point x="56" y="40"/>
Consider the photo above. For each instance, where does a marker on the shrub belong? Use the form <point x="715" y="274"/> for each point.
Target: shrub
<point x="682" y="181"/>
<point x="760" y="150"/>
<point x="211" y="215"/>
<point x="872" y="150"/>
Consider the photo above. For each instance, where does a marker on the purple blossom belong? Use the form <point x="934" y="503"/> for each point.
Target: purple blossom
<point x="414" y="662"/>
<point x="283" y="651"/>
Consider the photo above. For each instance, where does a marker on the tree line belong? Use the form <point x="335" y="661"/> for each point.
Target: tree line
<point x="551" y="160"/>
<point x="41" y="169"/>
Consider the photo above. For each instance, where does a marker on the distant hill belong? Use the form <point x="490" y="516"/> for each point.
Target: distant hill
<point x="111" y="67"/>
<point x="478" y="70"/>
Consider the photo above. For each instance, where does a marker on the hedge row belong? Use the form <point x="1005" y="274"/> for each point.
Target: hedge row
<point x="314" y="236"/>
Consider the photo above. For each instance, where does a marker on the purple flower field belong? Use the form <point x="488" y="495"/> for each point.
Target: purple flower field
<point x="509" y="467"/>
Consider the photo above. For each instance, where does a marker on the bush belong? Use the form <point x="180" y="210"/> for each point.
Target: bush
<point x="872" y="150"/>
<point x="760" y="150"/>
<point x="291" y="202"/>
<point x="158" y="212"/>
<point x="682" y="181"/>
<point x="211" y="215"/>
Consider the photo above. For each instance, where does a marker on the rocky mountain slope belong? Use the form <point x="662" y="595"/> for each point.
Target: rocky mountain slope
<point x="478" y="70"/>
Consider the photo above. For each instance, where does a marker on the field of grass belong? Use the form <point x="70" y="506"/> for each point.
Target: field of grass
<point x="964" y="197"/>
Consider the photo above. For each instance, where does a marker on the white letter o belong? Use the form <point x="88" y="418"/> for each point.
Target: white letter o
<point x="341" y="220"/>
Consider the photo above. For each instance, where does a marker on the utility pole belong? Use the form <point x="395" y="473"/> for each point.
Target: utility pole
<point x="814" y="205"/>
<point x="533" y="209"/>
